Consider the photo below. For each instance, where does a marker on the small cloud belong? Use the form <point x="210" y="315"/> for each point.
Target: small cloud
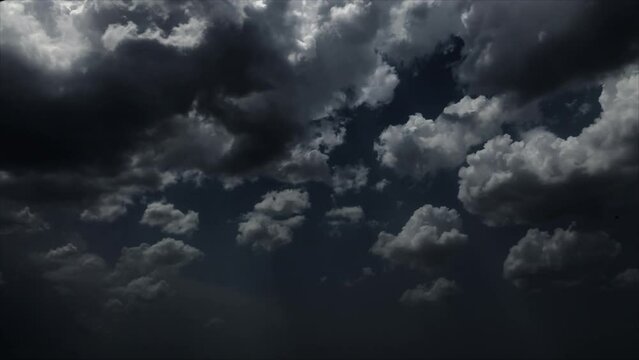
<point x="381" y="185"/>
<point x="438" y="291"/>
<point x="627" y="279"/>
<point x="169" y="219"/>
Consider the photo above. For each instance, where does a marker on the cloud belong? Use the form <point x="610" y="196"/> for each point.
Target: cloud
<point x="543" y="176"/>
<point x="423" y="146"/>
<point x="171" y="220"/>
<point x="438" y="291"/>
<point x="224" y="109"/>
<point x="417" y="28"/>
<point x="271" y="223"/>
<point x="517" y="48"/>
<point x="349" y="178"/>
<point x="21" y="221"/>
<point x="431" y="236"/>
<point x="381" y="185"/>
<point x="565" y="257"/>
<point x="141" y="273"/>
<point x="628" y="278"/>
<point x="346" y="214"/>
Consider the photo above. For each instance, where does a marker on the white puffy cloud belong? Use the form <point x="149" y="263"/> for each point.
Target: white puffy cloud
<point x="423" y="146"/>
<point x="55" y="49"/>
<point x="169" y="219"/>
<point x="349" y="178"/>
<point x="183" y="36"/>
<point x="565" y="257"/>
<point x="379" y="87"/>
<point x="542" y="175"/>
<point x="283" y="203"/>
<point x="439" y="290"/>
<point x="518" y="48"/>
<point x="271" y="223"/>
<point x="431" y="236"/>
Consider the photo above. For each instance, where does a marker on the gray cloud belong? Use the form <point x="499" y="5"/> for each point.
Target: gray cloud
<point x="423" y="146"/>
<point x="431" y="236"/>
<point x="628" y="278"/>
<point x="141" y="273"/>
<point x="438" y="291"/>
<point x="169" y="219"/>
<point x="563" y="258"/>
<point x="349" y="214"/>
<point x="349" y="178"/>
<point x="21" y="221"/>
<point x="271" y="223"/>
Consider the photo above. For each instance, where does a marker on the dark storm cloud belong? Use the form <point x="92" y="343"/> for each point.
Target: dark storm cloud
<point x="565" y="257"/>
<point x="628" y="278"/>
<point x="533" y="47"/>
<point x="103" y="89"/>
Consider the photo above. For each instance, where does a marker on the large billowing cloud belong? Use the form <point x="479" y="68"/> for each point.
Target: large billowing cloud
<point x="271" y="223"/>
<point x="169" y="219"/>
<point x="542" y="176"/>
<point x="423" y="146"/>
<point x="565" y="257"/>
<point x="431" y="236"/>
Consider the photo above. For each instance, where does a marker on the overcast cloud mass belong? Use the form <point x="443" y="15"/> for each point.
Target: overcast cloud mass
<point x="329" y="179"/>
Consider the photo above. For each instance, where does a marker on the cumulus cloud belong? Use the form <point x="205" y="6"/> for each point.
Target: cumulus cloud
<point x="438" y="291"/>
<point x="628" y="278"/>
<point x="141" y="273"/>
<point x="21" y="221"/>
<point x="431" y="236"/>
<point x="169" y="219"/>
<point x="423" y="146"/>
<point x="543" y="176"/>
<point x="349" y="178"/>
<point x="271" y="223"/>
<point x="565" y="257"/>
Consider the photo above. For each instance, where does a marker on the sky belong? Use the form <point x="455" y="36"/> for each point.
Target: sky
<point x="319" y="179"/>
